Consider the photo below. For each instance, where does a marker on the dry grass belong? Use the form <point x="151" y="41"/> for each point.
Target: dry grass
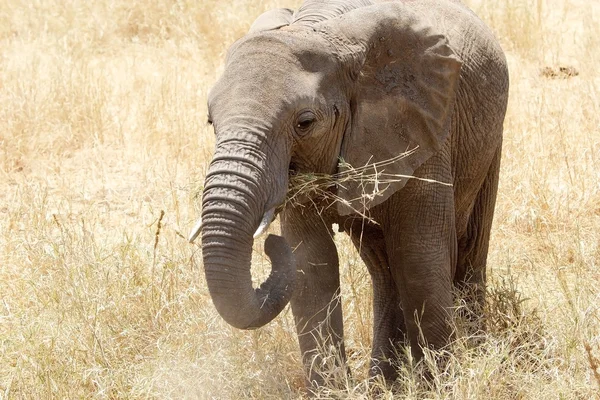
<point x="371" y="179"/>
<point x="102" y="110"/>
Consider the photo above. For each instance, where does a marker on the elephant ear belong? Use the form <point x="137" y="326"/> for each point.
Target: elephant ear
<point x="403" y="76"/>
<point x="272" y="19"/>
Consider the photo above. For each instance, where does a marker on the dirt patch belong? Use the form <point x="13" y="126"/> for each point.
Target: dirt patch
<point x="559" y="72"/>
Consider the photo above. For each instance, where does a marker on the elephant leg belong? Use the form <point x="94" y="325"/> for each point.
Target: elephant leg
<point x="470" y="277"/>
<point x="316" y="302"/>
<point x="421" y="245"/>
<point x="425" y="290"/>
<point x="389" y="330"/>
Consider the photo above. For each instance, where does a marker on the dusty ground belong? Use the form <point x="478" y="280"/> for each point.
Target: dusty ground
<point x="103" y="128"/>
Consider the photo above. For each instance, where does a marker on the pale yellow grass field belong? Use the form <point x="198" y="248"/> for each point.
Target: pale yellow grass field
<point x="102" y="127"/>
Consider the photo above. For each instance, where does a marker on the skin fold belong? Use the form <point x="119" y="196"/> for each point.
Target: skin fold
<point x="363" y="89"/>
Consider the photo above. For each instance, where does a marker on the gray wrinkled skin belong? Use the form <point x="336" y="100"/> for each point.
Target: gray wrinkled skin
<point x="361" y="82"/>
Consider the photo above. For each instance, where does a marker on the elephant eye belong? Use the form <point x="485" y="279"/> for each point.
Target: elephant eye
<point x="305" y="122"/>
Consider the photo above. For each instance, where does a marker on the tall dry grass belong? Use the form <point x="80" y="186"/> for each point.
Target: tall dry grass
<point x="102" y="128"/>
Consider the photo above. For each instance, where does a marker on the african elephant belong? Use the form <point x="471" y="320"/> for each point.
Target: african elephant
<point x="406" y="99"/>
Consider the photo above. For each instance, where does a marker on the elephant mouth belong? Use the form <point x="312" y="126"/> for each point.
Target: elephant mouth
<point x="306" y="187"/>
<point x="269" y="215"/>
<point x="292" y="170"/>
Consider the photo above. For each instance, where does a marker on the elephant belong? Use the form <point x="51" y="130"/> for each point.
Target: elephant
<point x="400" y="105"/>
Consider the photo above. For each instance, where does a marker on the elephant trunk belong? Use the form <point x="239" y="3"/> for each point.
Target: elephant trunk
<point x="234" y="202"/>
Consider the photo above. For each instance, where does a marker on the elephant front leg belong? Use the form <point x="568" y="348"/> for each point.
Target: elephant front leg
<point x="423" y="278"/>
<point x="318" y="315"/>
<point x="421" y="247"/>
<point x="389" y="330"/>
<point x="316" y="303"/>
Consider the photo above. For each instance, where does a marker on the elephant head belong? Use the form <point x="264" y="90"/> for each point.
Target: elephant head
<point x="362" y="86"/>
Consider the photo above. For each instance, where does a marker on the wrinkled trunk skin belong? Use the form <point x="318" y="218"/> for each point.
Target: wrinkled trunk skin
<point x="237" y="193"/>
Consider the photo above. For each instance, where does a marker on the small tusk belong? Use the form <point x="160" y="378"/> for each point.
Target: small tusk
<point x="195" y="231"/>
<point x="265" y="222"/>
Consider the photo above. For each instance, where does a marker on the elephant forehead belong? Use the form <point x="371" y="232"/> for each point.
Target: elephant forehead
<point x="277" y="58"/>
<point x="297" y="45"/>
<point x="268" y="71"/>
